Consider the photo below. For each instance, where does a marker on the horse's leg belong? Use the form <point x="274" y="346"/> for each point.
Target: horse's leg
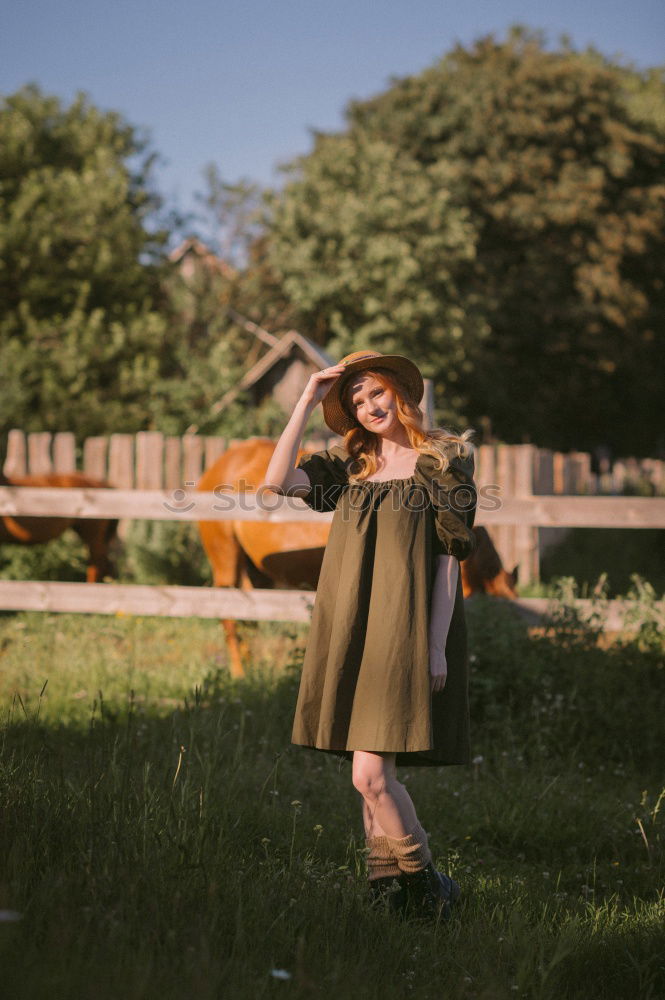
<point x="229" y="570"/>
<point x="98" y="535"/>
<point x="245" y="583"/>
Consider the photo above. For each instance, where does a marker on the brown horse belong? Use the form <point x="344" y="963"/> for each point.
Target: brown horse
<point x="483" y="572"/>
<point x="97" y="533"/>
<point x="248" y="554"/>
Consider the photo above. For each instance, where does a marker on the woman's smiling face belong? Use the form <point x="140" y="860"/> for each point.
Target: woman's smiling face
<point x="373" y="406"/>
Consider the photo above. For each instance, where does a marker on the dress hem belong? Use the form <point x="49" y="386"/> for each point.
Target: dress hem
<point x="412" y="758"/>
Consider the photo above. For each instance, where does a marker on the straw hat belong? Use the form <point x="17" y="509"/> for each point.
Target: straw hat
<point x="335" y="414"/>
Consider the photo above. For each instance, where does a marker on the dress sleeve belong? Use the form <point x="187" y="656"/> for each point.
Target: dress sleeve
<point x="453" y="496"/>
<point x="327" y="474"/>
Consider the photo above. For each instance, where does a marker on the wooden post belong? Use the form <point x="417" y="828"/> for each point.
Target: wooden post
<point x="543" y="485"/>
<point x="653" y="469"/>
<point x="427" y="403"/>
<point x="16" y="461"/>
<point x="558" y="485"/>
<point x="485" y="474"/>
<point x="504" y="534"/>
<point x="192" y="460"/>
<point x="485" y="479"/>
<point x="94" y="457"/>
<point x="618" y="476"/>
<point x="39" y="453"/>
<point x="632" y="472"/>
<point x="562" y="485"/>
<point x="149" y="449"/>
<point x="121" y="473"/>
<point x="526" y="536"/>
<point x="64" y="452"/>
<point x="173" y="477"/>
<point x="121" y="461"/>
<point x="214" y="448"/>
<point x="543" y="478"/>
<point x="580" y="462"/>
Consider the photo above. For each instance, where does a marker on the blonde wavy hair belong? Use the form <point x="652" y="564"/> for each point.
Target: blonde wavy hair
<point x="441" y="443"/>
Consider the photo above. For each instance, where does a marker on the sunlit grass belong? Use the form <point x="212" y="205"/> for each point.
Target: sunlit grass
<point x="161" y="837"/>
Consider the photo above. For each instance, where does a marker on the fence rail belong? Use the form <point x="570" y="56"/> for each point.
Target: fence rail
<point x="253" y="605"/>
<point x="586" y="512"/>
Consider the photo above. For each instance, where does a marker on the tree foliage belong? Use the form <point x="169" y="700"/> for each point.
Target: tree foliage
<point x="95" y="333"/>
<point x="370" y="247"/>
<point x="81" y="336"/>
<point x="500" y="218"/>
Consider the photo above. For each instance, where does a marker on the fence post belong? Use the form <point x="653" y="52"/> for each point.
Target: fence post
<point x="618" y="480"/>
<point x="214" y="449"/>
<point x="173" y="478"/>
<point x="16" y="463"/>
<point x="543" y="485"/>
<point x="121" y="461"/>
<point x="580" y="462"/>
<point x="484" y="476"/>
<point x="526" y="536"/>
<point x="653" y="470"/>
<point x="192" y="459"/>
<point x="39" y="453"/>
<point x="149" y="449"/>
<point x="94" y="457"/>
<point x="64" y="452"/>
<point x="427" y="403"/>
<point x="504" y="534"/>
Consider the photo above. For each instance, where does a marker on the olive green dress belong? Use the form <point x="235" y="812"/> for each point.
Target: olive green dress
<point x="365" y="682"/>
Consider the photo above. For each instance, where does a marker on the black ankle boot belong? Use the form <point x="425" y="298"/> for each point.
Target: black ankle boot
<point x="388" y="891"/>
<point x="430" y="895"/>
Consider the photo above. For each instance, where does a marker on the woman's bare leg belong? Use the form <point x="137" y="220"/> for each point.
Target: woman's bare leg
<point x="387" y="807"/>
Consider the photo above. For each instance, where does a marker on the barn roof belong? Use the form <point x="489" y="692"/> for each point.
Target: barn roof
<point x="197" y="251"/>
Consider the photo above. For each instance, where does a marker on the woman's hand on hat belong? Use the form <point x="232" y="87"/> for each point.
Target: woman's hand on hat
<point x="320" y="383"/>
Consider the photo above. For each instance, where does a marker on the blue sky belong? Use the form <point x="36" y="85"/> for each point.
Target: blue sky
<point x="240" y="83"/>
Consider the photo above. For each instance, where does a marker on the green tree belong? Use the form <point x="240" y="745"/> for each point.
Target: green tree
<point x="82" y="337"/>
<point x="370" y="249"/>
<point x="499" y="217"/>
<point x="231" y="214"/>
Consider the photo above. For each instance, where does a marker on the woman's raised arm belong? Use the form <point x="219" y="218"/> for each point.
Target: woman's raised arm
<point x="281" y="475"/>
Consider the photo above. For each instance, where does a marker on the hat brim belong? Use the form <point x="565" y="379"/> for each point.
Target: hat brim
<point x="334" y="414"/>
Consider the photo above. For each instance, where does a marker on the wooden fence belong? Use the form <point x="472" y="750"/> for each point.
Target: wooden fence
<point x="525" y="513"/>
<point x="152" y="461"/>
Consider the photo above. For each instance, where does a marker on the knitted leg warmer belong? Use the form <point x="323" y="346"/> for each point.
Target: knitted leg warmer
<point x="412" y="852"/>
<point x="381" y="862"/>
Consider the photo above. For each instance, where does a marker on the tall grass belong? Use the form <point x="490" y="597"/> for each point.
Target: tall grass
<point x="160" y="837"/>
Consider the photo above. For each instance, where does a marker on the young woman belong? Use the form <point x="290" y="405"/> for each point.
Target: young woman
<point x="384" y="678"/>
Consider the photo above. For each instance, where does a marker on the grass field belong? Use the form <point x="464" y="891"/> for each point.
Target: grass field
<point x="160" y="837"/>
